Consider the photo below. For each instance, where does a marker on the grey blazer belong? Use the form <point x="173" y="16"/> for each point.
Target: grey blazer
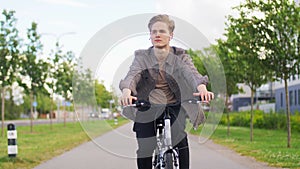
<point x="181" y="75"/>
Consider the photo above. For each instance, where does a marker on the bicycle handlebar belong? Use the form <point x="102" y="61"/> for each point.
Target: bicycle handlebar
<point x="141" y="103"/>
<point x="138" y="103"/>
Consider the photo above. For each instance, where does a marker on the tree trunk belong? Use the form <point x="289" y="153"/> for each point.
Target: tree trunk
<point x="2" y="111"/>
<point x="31" y="112"/>
<point x="228" y="118"/>
<point x="288" y="114"/>
<point x="50" y="114"/>
<point x="74" y="113"/>
<point x="65" y="114"/>
<point x="251" y="116"/>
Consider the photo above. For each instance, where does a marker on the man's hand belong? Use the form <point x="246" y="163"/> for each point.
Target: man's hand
<point x="204" y="95"/>
<point x="126" y="98"/>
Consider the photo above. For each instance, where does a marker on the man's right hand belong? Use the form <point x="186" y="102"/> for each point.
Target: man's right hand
<point x="126" y="98"/>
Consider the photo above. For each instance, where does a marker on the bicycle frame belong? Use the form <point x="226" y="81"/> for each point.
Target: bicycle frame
<point x="167" y="157"/>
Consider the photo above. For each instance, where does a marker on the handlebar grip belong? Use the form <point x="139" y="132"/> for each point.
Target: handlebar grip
<point x="140" y="104"/>
<point x="196" y="101"/>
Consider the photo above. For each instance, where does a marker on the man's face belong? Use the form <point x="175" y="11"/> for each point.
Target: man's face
<point x="160" y="35"/>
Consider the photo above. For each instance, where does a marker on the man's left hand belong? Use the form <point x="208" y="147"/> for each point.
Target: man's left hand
<point x="204" y="95"/>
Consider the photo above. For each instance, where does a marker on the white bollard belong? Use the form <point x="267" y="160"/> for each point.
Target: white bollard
<point x="115" y="118"/>
<point x="12" y="148"/>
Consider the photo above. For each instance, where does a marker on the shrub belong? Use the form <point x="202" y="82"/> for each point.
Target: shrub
<point x="295" y="122"/>
<point x="263" y="120"/>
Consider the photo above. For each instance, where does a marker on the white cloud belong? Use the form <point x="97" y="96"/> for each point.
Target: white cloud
<point x="72" y="3"/>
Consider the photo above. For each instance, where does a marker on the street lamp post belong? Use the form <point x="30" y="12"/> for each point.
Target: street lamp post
<point x="59" y="36"/>
<point x="110" y="107"/>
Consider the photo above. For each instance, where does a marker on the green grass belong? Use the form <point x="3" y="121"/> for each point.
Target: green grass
<point x="268" y="146"/>
<point x="45" y="143"/>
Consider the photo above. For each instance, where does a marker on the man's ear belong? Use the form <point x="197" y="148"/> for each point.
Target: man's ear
<point x="171" y="35"/>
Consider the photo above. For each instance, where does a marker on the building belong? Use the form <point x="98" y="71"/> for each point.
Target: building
<point x="270" y="92"/>
<point x="294" y="94"/>
<point x="263" y="94"/>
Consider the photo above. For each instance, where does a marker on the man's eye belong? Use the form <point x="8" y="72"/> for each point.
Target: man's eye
<point x="153" y="32"/>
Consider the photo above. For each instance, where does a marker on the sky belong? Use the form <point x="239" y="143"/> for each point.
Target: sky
<point x="75" y="22"/>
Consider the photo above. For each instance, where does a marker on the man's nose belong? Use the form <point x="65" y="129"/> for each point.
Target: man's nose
<point x="157" y="33"/>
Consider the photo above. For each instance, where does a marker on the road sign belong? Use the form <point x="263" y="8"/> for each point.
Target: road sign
<point x="34" y="104"/>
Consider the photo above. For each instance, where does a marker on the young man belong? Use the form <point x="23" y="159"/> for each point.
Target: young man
<point x="162" y="75"/>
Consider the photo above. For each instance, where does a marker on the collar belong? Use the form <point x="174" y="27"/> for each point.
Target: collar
<point x="170" y="60"/>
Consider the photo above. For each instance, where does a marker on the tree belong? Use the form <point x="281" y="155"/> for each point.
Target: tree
<point x="244" y="45"/>
<point x="44" y="103"/>
<point x="232" y="75"/>
<point x="208" y="63"/>
<point x="102" y="95"/>
<point x="52" y="74"/>
<point x="83" y="89"/>
<point x="9" y="53"/>
<point x="279" y="31"/>
<point x="197" y="58"/>
<point x="15" y="101"/>
<point x="12" y="105"/>
<point x="64" y="76"/>
<point x="33" y="68"/>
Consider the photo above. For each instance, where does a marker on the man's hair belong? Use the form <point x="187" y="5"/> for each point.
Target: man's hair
<point x="162" y="18"/>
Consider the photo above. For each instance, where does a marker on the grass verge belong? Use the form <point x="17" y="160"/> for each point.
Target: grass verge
<point x="268" y="146"/>
<point x="45" y="143"/>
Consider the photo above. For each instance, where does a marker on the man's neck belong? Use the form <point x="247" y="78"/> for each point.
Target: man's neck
<point x="161" y="53"/>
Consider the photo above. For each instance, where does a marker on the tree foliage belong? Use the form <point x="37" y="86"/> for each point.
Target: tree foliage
<point x="33" y="75"/>
<point x="230" y="66"/>
<point x="9" y="48"/>
<point x="64" y="75"/>
<point x="9" y="52"/>
<point x="33" y="67"/>
<point x="102" y="95"/>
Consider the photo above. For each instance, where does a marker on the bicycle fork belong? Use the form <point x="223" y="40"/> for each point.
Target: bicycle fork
<point x="159" y="158"/>
<point x="164" y="146"/>
<point x="168" y="142"/>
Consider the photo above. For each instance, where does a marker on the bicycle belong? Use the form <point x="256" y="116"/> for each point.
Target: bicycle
<point x="166" y="156"/>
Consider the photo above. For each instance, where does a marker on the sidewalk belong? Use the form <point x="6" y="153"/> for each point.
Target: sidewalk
<point x="116" y="150"/>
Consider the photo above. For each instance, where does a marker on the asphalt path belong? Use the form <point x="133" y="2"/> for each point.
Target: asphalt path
<point x="116" y="150"/>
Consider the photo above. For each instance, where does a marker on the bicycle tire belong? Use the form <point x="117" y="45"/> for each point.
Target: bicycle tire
<point x="169" y="161"/>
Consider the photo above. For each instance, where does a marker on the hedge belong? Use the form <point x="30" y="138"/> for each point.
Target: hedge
<point x="262" y="120"/>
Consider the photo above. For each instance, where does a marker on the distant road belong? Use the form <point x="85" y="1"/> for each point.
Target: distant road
<point x="26" y="122"/>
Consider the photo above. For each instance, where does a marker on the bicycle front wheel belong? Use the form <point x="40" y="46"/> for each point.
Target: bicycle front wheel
<point x="169" y="161"/>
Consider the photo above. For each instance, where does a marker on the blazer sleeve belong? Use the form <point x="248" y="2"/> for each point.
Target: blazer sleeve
<point x="133" y="75"/>
<point x="199" y="79"/>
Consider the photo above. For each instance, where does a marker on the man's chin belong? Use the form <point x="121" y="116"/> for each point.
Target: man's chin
<point x="160" y="47"/>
